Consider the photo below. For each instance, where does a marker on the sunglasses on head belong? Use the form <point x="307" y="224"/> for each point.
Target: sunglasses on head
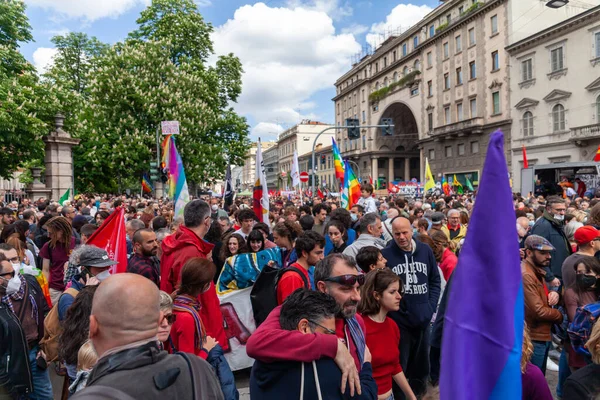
<point x="171" y="318"/>
<point x="347" y="280"/>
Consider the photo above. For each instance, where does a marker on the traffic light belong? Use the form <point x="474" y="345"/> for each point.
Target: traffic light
<point x="387" y="130"/>
<point x="353" y="128"/>
<point x="153" y="171"/>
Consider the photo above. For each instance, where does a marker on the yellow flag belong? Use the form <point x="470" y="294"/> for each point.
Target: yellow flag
<point x="429" y="182"/>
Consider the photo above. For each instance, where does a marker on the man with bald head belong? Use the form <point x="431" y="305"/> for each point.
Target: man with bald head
<point x="522" y="230"/>
<point x="387" y="224"/>
<point x="415" y="264"/>
<point x="123" y="327"/>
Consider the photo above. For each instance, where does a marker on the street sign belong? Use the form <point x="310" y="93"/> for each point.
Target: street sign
<point x="170" y="127"/>
<point x="304" y="176"/>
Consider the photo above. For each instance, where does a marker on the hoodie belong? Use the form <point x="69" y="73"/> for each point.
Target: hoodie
<point x="420" y="275"/>
<point x="283" y="380"/>
<point x="177" y="249"/>
<point x="363" y="240"/>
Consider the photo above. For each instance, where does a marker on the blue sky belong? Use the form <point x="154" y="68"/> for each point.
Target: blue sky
<point x="292" y="50"/>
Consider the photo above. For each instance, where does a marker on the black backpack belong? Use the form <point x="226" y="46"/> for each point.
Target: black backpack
<point x="263" y="296"/>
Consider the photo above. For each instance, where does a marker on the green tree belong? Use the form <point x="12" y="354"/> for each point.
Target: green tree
<point x="161" y="73"/>
<point x="25" y="105"/>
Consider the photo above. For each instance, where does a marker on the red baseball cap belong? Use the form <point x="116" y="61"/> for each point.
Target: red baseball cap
<point x="586" y="234"/>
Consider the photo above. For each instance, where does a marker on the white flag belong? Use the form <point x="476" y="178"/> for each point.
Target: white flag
<point x="261" y="193"/>
<point x="295" y="171"/>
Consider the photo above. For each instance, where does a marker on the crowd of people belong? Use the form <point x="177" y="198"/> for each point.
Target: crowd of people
<point x="361" y="296"/>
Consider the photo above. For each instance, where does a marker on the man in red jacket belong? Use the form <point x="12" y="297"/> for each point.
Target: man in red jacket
<point x="185" y="243"/>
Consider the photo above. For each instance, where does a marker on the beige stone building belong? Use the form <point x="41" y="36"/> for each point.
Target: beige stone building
<point x="555" y="96"/>
<point x="444" y="84"/>
<point x="299" y="138"/>
<point x="271" y="159"/>
<point x="248" y="173"/>
<point x="325" y="170"/>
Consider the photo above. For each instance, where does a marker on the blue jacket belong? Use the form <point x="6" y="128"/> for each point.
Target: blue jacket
<point x="66" y="299"/>
<point x="422" y="285"/>
<point x="329" y="244"/>
<point x="282" y="380"/>
<point x="216" y="359"/>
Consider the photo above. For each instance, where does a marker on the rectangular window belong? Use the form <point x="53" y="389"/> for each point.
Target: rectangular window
<point x="446" y="50"/>
<point x="472" y="70"/>
<point x="459" y="112"/>
<point x="376" y="67"/>
<point x="394" y="56"/>
<point x="459" y="80"/>
<point x="461" y="9"/>
<point x="461" y="149"/>
<point x="429" y="61"/>
<point x="448" y="18"/>
<point x="494" y="21"/>
<point x="496" y="102"/>
<point x="364" y="140"/>
<point x="447" y="115"/>
<point x="446" y="81"/>
<point x="474" y="147"/>
<point x="431" y="30"/>
<point x="473" y="107"/>
<point x="363" y="95"/>
<point x="471" y="36"/>
<point x="458" y="44"/>
<point x="364" y="116"/>
<point x="556" y="59"/>
<point x="448" y="151"/>
<point x="597" y="35"/>
<point x="429" y="88"/>
<point x="414" y="90"/>
<point x="431" y="154"/>
<point x="527" y="70"/>
<point x="430" y="121"/>
<point x="404" y="49"/>
<point x="384" y="62"/>
<point x="415" y="42"/>
<point x="495" y="61"/>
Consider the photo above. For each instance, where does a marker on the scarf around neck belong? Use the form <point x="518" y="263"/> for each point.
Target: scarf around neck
<point x="18" y="296"/>
<point x="185" y="303"/>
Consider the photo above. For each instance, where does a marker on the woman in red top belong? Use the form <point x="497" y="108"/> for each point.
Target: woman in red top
<point x="188" y="333"/>
<point x="381" y="294"/>
<point x="442" y="249"/>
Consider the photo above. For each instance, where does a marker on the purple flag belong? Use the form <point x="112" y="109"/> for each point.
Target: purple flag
<point x="483" y="327"/>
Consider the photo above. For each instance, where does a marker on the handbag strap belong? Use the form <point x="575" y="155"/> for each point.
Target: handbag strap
<point x="25" y="300"/>
<point x="317" y="380"/>
<point x="302" y="383"/>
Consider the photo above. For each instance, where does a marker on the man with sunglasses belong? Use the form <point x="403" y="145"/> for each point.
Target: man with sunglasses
<point x="307" y="312"/>
<point x="336" y="275"/>
<point x="539" y="315"/>
<point x="15" y="376"/>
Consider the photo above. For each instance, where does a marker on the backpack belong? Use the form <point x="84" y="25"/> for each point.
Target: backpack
<point x="263" y="296"/>
<point x="581" y="327"/>
<point x="53" y="328"/>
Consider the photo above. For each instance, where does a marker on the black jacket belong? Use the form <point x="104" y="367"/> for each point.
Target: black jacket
<point x="146" y="372"/>
<point x="15" y="373"/>
<point x="422" y="284"/>
<point x="550" y="230"/>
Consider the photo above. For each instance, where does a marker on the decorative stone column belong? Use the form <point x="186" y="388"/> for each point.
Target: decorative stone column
<point x="37" y="189"/>
<point x="407" y="169"/>
<point x="59" y="159"/>
<point x="391" y="172"/>
<point x="374" y="170"/>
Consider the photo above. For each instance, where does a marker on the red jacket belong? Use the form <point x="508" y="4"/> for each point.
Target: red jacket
<point x="177" y="249"/>
<point x="183" y="335"/>
<point x="449" y="261"/>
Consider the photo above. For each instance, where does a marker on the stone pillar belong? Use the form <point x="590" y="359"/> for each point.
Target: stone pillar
<point x="374" y="169"/>
<point x="37" y="189"/>
<point x="59" y="159"/>
<point x="407" y="169"/>
<point x="421" y="166"/>
<point x="390" y="169"/>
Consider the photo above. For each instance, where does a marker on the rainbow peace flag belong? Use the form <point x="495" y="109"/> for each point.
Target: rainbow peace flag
<point x="338" y="163"/>
<point x="146" y="184"/>
<point x="445" y="186"/>
<point x="351" y="192"/>
<point x="173" y="165"/>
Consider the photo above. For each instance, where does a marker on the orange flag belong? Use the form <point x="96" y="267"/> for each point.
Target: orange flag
<point x="525" y="162"/>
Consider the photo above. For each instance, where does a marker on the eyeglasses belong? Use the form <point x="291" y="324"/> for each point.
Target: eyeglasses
<point x="347" y="280"/>
<point x="10" y="274"/>
<point x="329" y="331"/>
<point x="171" y="318"/>
<point x="15" y="259"/>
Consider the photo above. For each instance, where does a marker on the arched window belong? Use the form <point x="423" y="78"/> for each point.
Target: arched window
<point x="385" y="81"/>
<point x="527" y="124"/>
<point x="598" y="110"/>
<point x="558" y="118"/>
<point x="396" y="79"/>
<point x="405" y="71"/>
<point x="377" y="85"/>
<point x="417" y="65"/>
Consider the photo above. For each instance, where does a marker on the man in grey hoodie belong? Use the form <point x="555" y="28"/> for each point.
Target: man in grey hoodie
<point x="371" y="229"/>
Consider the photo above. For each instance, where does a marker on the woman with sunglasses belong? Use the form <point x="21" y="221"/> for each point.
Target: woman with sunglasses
<point x="381" y="294"/>
<point x="166" y="323"/>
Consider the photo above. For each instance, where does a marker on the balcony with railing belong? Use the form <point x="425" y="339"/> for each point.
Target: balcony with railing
<point x="473" y="125"/>
<point x="587" y="132"/>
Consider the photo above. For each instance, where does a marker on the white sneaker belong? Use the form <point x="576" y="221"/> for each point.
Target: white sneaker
<point x="551" y="365"/>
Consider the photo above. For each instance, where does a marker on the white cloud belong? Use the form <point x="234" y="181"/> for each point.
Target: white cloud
<point x="287" y="55"/>
<point x="402" y="17"/>
<point x="58" y="32"/>
<point x="336" y="9"/>
<point x="266" y="131"/>
<point x="43" y="58"/>
<point x="90" y="10"/>
<point x="355" y="29"/>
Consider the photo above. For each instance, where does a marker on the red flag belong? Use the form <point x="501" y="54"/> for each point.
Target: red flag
<point x="597" y="156"/>
<point x="320" y="194"/>
<point x="526" y="163"/>
<point x="370" y="179"/>
<point x="111" y="237"/>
